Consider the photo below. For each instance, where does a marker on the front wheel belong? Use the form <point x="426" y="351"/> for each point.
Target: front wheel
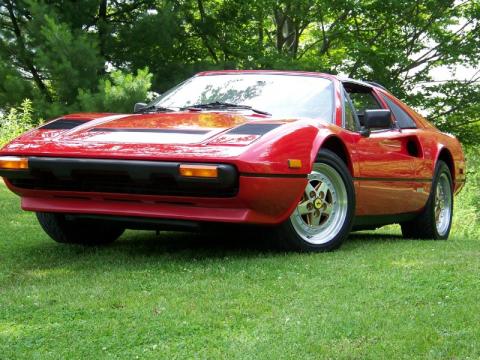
<point x="323" y="217"/>
<point x="78" y="231"/>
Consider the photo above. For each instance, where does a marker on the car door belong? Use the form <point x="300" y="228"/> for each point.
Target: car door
<point x="386" y="176"/>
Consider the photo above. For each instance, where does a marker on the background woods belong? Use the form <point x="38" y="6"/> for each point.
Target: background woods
<point x="231" y="295"/>
<point x="68" y="55"/>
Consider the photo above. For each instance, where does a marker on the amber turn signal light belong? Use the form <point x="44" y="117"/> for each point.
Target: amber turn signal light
<point x="13" y="163"/>
<point x="205" y="171"/>
<point x="294" y="163"/>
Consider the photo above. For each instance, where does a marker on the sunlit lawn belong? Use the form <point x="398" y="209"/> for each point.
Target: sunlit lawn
<point x="185" y="296"/>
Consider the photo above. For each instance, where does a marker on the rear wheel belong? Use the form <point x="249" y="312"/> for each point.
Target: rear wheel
<point x="435" y="221"/>
<point x="78" y="231"/>
<point x="323" y="217"/>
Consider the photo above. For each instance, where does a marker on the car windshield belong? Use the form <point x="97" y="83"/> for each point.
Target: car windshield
<point x="285" y="96"/>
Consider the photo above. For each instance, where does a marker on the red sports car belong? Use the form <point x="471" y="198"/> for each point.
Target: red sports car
<point x="309" y="156"/>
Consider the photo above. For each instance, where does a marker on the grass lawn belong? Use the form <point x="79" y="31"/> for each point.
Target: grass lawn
<point x="184" y="296"/>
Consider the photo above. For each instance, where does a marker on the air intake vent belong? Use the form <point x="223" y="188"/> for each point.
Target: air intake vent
<point x="63" y="124"/>
<point x="253" y="129"/>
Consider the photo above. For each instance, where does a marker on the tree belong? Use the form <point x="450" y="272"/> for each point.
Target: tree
<point x="396" y="43"/>
<point x="56" y="52"/>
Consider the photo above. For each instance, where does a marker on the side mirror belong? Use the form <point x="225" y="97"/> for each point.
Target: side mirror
<point x="138" y="107"/>
<point x="377" y="119"/>
<point x="364" y="131"/>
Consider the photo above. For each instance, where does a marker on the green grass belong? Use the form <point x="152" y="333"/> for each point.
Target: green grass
<point x="184" y="296"/>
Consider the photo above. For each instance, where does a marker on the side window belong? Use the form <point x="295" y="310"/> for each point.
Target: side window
<point x="403" y="120"/>
<point x="362" y="100"/>
<point x="350" y="121"/>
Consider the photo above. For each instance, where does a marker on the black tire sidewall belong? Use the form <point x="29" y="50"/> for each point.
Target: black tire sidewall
<point x="78" y="232"/>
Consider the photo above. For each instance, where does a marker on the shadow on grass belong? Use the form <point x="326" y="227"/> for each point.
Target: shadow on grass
<point x="135" y="248"/>
<point x="236" y="241"/>
<point x="374" y="236"/>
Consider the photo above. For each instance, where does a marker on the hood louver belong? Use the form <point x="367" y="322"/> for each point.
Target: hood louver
<point x="253" y="129"/>
<point x="63" y="124"/>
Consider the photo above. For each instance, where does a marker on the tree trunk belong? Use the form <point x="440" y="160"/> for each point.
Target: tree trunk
<point x="102" y="33"/>
<point x="203" y="34"/>
<point x="25" y="57"/>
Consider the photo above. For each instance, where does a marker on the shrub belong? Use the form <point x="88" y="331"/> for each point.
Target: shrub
<point x="16" y="121"/>
<point x="473" y="176"/>
<point x="468" y="202"/>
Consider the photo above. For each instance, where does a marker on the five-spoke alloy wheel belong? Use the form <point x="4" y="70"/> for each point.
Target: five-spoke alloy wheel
<point x="443" y="204"/>
<point x="321" y="213"/>
<point x="324" y="214"/>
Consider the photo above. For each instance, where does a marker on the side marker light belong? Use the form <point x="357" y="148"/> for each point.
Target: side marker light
<point x="294" y="163"/>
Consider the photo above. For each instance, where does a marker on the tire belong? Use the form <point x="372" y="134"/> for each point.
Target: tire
<point x="435" y="221"/>
<point x="311" y="227"/>
<point x="79" y="231"/>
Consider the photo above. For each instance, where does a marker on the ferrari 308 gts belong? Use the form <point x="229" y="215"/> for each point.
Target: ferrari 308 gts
<point x="308" y="156"/>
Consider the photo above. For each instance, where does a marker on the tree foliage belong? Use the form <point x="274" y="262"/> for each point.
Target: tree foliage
<point x="118" y="92"/>
<point x="69" y="55"/>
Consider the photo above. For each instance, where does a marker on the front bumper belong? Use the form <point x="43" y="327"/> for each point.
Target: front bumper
<point x="120" y="176"/>
<point x="232" y="198"/>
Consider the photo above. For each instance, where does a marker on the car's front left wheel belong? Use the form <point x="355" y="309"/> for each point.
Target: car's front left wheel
<point x="78" y="231"/>
<point x="323" y="217"/>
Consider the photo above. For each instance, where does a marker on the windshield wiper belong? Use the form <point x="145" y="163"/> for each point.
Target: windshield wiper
<point x="223" y="105"/>
<point x="153" y="108"/>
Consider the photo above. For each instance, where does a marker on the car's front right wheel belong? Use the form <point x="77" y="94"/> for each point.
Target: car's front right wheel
<point x="78" y="231"/>
<point x="323" y="217"/>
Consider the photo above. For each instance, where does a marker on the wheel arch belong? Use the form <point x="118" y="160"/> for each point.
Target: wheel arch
<point x="337" y="146"/>
<point x="446" y="156"/>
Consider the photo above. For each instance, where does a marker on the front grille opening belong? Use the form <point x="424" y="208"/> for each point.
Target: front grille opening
<point x="71" y="197"/>
<point x="121" y="200"/>
<point x="122" y="182"/>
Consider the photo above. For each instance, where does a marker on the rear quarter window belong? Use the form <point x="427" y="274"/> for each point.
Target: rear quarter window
<point x="403" y="120"/>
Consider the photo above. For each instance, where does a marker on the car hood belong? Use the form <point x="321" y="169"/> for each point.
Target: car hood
<point x="163" y="135"/>
<point x="162" y="128"/>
